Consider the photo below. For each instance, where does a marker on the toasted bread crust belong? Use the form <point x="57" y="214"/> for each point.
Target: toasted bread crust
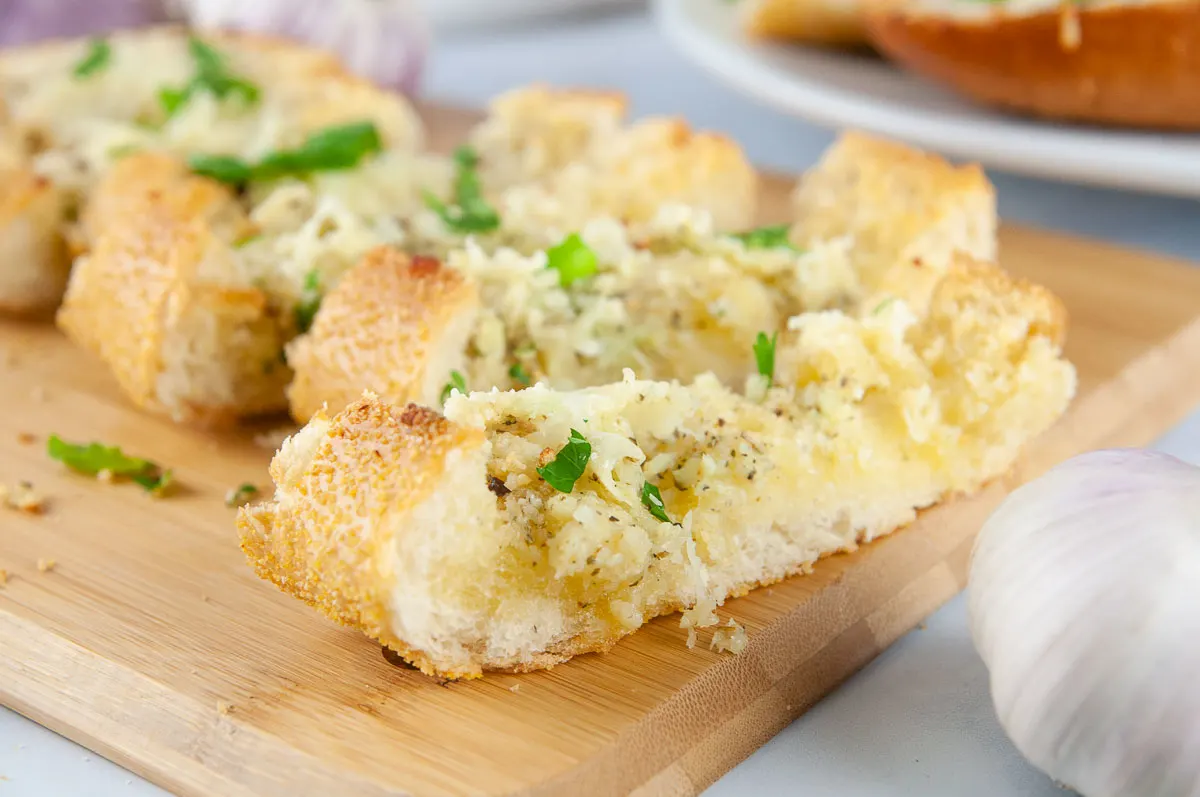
<point x="835" y="22"/>
<point x="33" y="256"/>
<point x="180" y="341"/>
<point x="1125" y="65"/>
<point x="384" y="328"/>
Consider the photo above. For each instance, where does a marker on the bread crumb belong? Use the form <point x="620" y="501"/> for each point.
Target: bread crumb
<point x="46" y="565"/>
<point x="691" y="640"/>
<point x="22" y="497"/>
<point x="26" y="438"/>
<point x="224" y="708"/>
<point x="731" y="638"/>
<point x="105" y="475"/>
<point x="206" y="599"/>
<point x="3" y="577"/>
<point x="514" y="688"/>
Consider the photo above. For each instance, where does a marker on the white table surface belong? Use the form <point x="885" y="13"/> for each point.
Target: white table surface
<point x="918" y="720"/>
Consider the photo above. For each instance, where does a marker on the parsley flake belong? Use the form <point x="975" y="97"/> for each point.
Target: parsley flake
<point x="519" y="375"/>
<point x="94" y="459"/>
<point x="457" y="382"/>
<point x="573" y="259"/>
<point x="568" y="466"/>
<point x="772" y="237"/>
<point x="97" y="58"/>
<point x="764" y="355"/>
<point x="242" y="494"/>
<point x="469" y="212"/>
<point x="212" y="75"/>
<point x="330" y="149"/>
<point x="310" y="302"/>
<point x="885" y="304"/>
<point x="652" y="498"/>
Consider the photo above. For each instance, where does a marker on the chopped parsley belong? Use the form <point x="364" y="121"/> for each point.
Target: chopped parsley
<point x="95" y="459"/>
<point x="519" y="375"/>
<point x="212" y="75"/>
<point x="457" y="382"/>
<point x="96" y="60"/>
<point x="246" y="240"/>
<point x="222" y="168"/>
<point x="885" y="304"/>
<point x="310" y="302"/>
<point x="469" y="212"/>
<point x="568" y="466"/>
<point x="772" y="237"/>
<point x="241" y="494"/>
<point x="764" y="355"/>
<point x="652" y="498"/>
<point x="572" y="259"/>
<point x="334" y="148"/>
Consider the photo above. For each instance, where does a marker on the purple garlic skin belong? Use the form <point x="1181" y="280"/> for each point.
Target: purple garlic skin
<point x="31" y="21"/>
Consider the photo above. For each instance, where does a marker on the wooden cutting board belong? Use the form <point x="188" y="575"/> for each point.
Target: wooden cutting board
<point x="151" y="642"/>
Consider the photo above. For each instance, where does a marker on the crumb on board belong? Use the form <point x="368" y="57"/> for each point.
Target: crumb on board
<point x="514" y="688"/>
<point x="224" y="708"/>
<point x="3" y="577"/>
<point x="731" y="637"/>
<point x="22" y="497"/>
<point x="46" y="565"/>
<point x="26" y="438"/>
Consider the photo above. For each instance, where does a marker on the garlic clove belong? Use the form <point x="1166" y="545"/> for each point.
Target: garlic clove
<point x="1085" y="606"/>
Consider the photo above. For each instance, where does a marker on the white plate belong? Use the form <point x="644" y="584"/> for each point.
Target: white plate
<point x="450" y="14"/>
<point x="842" y="89"/>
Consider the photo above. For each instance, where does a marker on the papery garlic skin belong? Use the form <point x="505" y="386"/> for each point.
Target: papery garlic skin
<point x="385" y="41"/>
<point x="1085" y="606"/>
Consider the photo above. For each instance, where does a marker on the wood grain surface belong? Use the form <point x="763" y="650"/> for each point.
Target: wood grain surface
<point x="151" y="642"/>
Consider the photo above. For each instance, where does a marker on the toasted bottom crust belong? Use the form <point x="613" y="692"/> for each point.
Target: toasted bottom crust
<point x="1126" y="65"/>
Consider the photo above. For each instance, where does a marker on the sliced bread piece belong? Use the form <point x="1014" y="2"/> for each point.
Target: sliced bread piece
<point x="440" y="537"/>
<point x="832" y="22"/>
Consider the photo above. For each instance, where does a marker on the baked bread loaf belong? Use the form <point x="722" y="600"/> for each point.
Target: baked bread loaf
<point x="70" y="123"/>
<point x="833" y="22"/>
<point x="294" y="239"/>
<point x="441" y="538"/>
<point x="1119" y="63"/>
<point x="672" y="299"/>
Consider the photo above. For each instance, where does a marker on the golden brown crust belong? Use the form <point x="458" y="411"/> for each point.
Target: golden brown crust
<point x="836" y="22"/>
<point x="157" y="299"/>
<point x="33" y="257"/>
<point x="375" y="460"/>
<point x="383" y="328"/>
<point x="1124" y="65"/>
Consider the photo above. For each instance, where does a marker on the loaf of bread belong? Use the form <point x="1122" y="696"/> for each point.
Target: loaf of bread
<point x="68" y="129"/>
<point x="455" y="540"/>
<point x="1119" y="63"/>
<point x="671" y="299"/>
<point x="294" y="239"/>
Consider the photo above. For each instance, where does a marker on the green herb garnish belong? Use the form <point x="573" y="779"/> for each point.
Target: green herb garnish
<point x="457" y="382"/>
<point x="98" y="55"/>
<point x="764" y="355"/>
<point x="310" y="302"/>
<point x="212" y="75"/>
<point x="885" y="304"/>
<point x="469" y="212"/>
<point x="652" y="498"/>
<point x="246" y="239"/>
<point x="222" y="168"/>
<point x="569" y="464"/>
<point x="773" y="237"/>
<point x="572" y="259"/>
<point x="95" y="459"/>
<point x="240" y="495"/>
<point x="519" y="375"/>
<point x="333" y="148"/>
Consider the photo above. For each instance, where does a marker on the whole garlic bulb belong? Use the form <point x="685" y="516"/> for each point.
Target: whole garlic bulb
<point x="385" y="41"/>
<point x="1085" y="606"/>
<point x="27" y="21"/>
